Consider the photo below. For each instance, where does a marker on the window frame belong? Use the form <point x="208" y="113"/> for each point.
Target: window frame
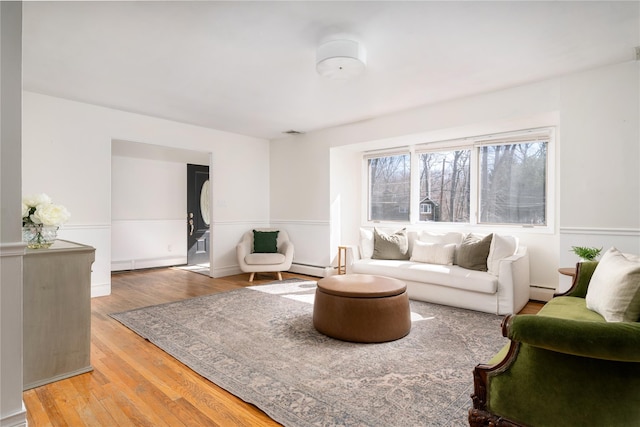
<point x="367" y="186"/>
<point x="473" y="144"/>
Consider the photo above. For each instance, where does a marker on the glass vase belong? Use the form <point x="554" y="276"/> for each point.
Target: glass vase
<point x="38" y="236"/>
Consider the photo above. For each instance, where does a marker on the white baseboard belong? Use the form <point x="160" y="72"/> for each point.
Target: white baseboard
<point x="136" y="264"/>
<point x="18" y="419"/>
<point x="225" y="271"/>
<point x="100" y="290"/>
<point x="538" y="293"/>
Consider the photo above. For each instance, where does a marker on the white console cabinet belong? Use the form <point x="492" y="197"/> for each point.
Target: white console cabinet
<point x="56" y="312"/>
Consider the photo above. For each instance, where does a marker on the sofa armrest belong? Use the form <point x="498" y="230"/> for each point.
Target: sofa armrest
<point x="286" y="248"/>
<point x="619" y="341"/>
<point x="353" y="254"/>
<point x="514" y="282"/>
<point x="584" y="271"/>
<point x="243" y="248"/>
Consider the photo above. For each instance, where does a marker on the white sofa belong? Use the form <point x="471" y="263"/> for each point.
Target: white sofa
<point x="503" y="289"/>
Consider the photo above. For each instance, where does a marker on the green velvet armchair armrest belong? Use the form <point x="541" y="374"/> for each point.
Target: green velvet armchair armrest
<point x="584" y="271"/>
<point x="607" y="341"/>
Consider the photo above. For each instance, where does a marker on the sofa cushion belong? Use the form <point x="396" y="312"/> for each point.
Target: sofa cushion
<point x="390" y="246"/>
<point x="570" y="308"/>
<point x="614" y="288"/>
<point x="474" y="251"/>
<point x="433" y="253"/>
<point x="265" y="241"/>
<point x="501" y="247"/>
<point x="445" y="275"/>
<point x="258" y="258"/>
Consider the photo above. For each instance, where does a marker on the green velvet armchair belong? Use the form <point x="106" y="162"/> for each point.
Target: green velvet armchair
<point x="565" y="366"/>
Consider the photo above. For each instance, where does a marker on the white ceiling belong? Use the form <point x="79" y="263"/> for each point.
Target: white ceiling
<point x="249" y="67"/>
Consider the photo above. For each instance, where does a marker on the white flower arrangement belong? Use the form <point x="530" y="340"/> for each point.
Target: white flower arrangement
<point x="39" y="210"/>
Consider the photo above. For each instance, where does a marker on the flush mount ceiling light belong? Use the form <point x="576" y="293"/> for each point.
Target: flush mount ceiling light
<point x="340" y="59"/>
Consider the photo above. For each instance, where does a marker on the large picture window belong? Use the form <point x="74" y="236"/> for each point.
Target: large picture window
<point x="389" y="187"/>
<point x="513" y="183"/>
<point x="444" y="186"/>
<point x="501" y="179"/>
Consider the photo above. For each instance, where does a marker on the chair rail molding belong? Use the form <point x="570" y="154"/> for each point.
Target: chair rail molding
<point x="11" y="249"/>
<point x="601" y="231"/>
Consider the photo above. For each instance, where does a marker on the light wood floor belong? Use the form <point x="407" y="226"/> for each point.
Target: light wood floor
<point x="136" y="384"/>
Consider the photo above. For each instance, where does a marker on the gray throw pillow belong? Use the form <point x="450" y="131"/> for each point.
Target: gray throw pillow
<point x="390" y="246"/>
<point x="473" y="252"/>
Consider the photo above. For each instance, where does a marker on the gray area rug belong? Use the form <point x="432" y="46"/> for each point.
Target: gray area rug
<point x="259" y="344"/>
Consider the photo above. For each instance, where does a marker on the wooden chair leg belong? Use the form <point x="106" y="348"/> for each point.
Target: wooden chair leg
<point x="251" y="277"/>
<point x="279" y="276"/>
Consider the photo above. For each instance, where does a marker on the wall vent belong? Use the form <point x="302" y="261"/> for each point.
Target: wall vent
<point x="637" y="53"/>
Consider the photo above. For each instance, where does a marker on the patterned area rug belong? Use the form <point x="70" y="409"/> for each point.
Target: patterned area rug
<point x="259" y="344"/>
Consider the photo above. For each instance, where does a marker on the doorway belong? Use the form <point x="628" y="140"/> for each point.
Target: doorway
<point x="198" y="215"/>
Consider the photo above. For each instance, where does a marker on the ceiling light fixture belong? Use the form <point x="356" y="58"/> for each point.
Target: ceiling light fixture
<point x="340" y="59"/>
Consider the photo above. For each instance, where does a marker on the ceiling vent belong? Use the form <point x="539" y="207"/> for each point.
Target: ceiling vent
<point x="293" y="132"/>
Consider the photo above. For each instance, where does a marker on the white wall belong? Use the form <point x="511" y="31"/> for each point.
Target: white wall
<point x="148" y="213"/>
<point x="67" y="154"/>
<point x="596" y="117"/>
<point x="300" y="187"/>
<point x="12" y="410"/>
<point x="600" y="179"/>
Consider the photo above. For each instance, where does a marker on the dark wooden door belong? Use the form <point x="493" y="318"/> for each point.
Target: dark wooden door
<point x="198" y="214"/>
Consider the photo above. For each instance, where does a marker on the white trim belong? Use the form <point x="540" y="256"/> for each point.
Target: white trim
<point x="230" y="270"/>
<point x="85" y="226"/>
<point x="11" y="249"/>
<point x="541" y="293"/>
<point x="100" y="290"/>
<point x="633" y="232"/>
<point x="17" y="419"/>
<point x="250" y="223"/>
<point x="136" y="264"/>
<point x="302" y="222"/>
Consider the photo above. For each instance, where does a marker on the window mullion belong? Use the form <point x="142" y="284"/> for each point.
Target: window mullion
<point x="474" y="187"/>
<point x="414" y="208"/>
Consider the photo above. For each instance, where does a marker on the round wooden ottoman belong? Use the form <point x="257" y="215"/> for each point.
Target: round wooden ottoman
<point x="362" y="308"/>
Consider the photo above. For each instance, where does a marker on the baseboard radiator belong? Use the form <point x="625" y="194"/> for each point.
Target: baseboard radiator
<point x="540" y="293"/>
<point x="311" y="270"/>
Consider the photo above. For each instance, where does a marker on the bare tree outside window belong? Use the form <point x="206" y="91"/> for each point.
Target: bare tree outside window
<point x="513" y="183"/>
<point x="444" y="186"/>
<point x="389" y="188"/>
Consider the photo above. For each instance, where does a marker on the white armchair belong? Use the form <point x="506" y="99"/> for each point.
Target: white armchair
<point x="254" y="262"/>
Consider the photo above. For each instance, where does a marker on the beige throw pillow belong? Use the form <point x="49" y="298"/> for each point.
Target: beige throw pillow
<point x="433" y="253"/>
<point x="473" y="252"/>
<point x="442" y="238"/>
<point x="390" y="246"/>
<point x="614" y="288"/>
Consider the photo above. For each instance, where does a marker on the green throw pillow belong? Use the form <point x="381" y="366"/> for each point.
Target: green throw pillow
<point x="473" y="252"/>
<point x="265" y="242"/>
<point x="390" y="246"/>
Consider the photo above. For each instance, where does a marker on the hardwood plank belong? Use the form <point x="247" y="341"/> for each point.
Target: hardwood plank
<point x="134" y="383"/>
<point x="38" y="415"/>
